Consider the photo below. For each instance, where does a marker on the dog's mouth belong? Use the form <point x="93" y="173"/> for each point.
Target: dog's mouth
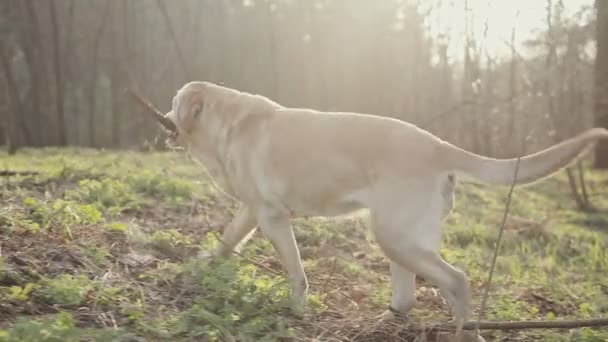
<point x="172" y="134"/>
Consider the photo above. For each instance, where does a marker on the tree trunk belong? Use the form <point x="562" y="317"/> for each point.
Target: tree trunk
<point x="601" y="81"/>
<point x="91" y="98"/>
<point x="59" y="107"/>
<point x="116" y="78"/>
<point x="35" y="58"/>
<point x="15" y="106"/>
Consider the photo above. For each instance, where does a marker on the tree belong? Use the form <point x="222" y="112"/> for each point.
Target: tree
<point x="15" y="106"/>
<point x="601" y="81"/>
<point x="58" y="72"/>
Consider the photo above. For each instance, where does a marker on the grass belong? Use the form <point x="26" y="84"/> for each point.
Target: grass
<point x="102" y="246"/>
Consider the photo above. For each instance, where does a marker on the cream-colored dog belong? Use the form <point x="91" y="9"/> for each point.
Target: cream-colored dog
<point x="282" y="163"/>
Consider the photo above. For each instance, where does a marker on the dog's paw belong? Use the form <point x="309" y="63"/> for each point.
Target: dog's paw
<point x="298" y="305"/>
<point x="387" y="315"/>
<point x="390" y="314"/>
<point x="297" y="309"/>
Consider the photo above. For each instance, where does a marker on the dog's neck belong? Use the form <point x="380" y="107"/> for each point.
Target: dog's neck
<point x="210" y="142"/>
<point x="209" y="145"/>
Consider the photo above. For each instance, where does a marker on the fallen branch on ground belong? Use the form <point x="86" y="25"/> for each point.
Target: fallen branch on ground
<point x="10" y="173"/>
<point x="519" y="325"/>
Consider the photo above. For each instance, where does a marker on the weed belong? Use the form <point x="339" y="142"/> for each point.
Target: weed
<point x="162" y="186"/>
<point x="98" y="254"/>
<point x="108" y="194"/>
<point x="59" y="213"/>
<point x="508" y="309"/>
<point x="65" y="289"/>
<point x="235" y="296"/>
<point x="169" y="242"/>
<point x="117" y="227"/>
<point x="18" y="293"/>
<point x="61" y="329"/>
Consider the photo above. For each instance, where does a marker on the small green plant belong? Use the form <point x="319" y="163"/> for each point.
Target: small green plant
<point x="107" y="194"/>
<point x="509" y="309"/>
<point x="98" y="254"/>
<point x="60" y="213"/>
<point x="18" y="293"/>
<point x="134" y="311"/>
<point x="248" y="305"/>
<point x="117" y="227"/>
<point x="65" y="289"/>
<point x="236" y="298"/>
<point x="161" y="186"/>
<point x="12" y="219"/>
<point x="61" y="329"/>
<point x="169" y="242"/>
<point x="314" y="233"/>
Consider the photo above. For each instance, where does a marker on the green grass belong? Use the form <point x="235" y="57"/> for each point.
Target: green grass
<point x="102" y="245"/>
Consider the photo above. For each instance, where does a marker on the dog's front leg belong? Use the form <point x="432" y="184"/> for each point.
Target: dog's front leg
<point x="277" y="228"/>
<point x="404" y="289"/>
<point x="237" y="232"/>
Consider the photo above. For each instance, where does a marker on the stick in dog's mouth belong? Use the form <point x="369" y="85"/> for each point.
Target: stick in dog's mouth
<point x="153" y="112"/>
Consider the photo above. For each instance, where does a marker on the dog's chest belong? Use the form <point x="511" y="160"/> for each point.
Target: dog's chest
<point x="218" y="175"/>
<point x="220" y="178"/>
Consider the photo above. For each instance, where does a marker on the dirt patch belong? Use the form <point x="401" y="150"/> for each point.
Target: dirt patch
<point x="546" y="305"/>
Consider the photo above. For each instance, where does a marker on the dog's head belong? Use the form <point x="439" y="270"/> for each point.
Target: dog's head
<point x="187" y="110"/>
<point x="201" y="109"/>
<point x="187" y="107"/>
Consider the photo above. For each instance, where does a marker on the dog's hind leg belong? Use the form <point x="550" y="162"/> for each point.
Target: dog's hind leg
<point x="412" y="242"/>
<point x="237" y="232"/>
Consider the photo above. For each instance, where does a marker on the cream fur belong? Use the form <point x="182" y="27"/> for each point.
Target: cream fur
<point x="282" y="163"/>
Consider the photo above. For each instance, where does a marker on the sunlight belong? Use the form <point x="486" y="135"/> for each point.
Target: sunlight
<point x="501" y="18"/>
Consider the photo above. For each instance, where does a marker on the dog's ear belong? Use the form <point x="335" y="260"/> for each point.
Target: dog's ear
<point x="190" y="110"/>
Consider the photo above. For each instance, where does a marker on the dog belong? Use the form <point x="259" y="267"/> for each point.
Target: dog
<point x="281" y="163"/>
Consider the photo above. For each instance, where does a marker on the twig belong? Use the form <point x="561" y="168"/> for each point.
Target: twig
<point x="329" y="276"/>
<point x="262" y="266"/>
<point x="500" y="233"/>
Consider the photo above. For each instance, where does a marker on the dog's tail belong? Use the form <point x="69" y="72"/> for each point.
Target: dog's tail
<point x="532" y="167"/>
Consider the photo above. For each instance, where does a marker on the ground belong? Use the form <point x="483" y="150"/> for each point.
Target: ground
<point x="103" y="245"/>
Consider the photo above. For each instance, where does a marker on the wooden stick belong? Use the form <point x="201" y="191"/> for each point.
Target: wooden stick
<point x="518" y="325"/>
<point x="152" y="111"/>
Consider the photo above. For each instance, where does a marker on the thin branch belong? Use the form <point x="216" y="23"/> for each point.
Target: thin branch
<point x="581" y="178"/>
<point x="262" y="266"/>
<point x="500" y="233"/>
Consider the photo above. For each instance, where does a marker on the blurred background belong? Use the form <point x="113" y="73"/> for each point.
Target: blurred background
<point x="482" y="74"/>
